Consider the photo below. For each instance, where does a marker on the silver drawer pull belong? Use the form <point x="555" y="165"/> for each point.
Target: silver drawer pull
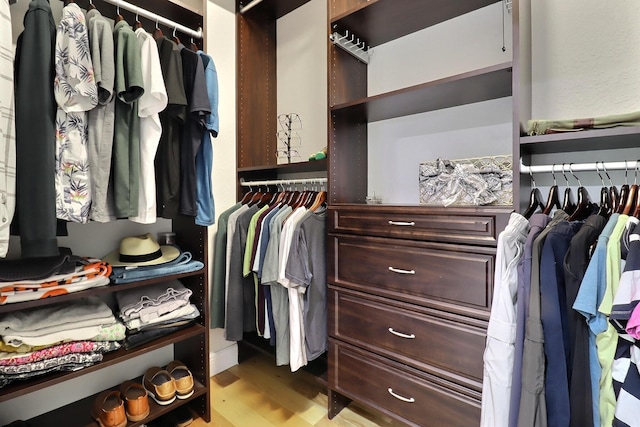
<point x="408" y="224"/>
<point x="397" y="396"/>
<point x="397" y="270"/>
<point x="401" y="335"/>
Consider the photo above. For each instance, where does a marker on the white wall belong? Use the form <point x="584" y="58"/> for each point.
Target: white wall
<point x="301" y="51"/>
<point x="221" y="45"/>
<point x="586" y="63"/>
<point x="397" y="146"/>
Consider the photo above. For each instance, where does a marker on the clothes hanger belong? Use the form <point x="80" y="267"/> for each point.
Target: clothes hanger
<point x="175" y="38"/>
<point x="247" y="196"/>
<point x="157" y="32"/>
<point x="636" y="211"/>
<point x="552" y="200"/>
<point x="567" y="204"/>
<point x="614" y="196"/>
<point x="194" y="46"/>
<point x="138" y="24"/>
<point x="605" y="201"/>
<point x="535" y="199"/>
<point x="118" y="16"/>
<point x="630" y="204"/>
<point x="584" y="205"/>
<point x="91" y="5"/>
<point x="624" y="191"/>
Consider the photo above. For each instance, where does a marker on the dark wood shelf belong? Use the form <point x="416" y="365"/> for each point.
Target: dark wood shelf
<point x="19" y="388"/>
<point x="309" y="166"/>
<point x="78" y="414"/>
<point x="102" y="290"/>
<point x="379" y="21"/>
<point x="274" y="8"/>
<point x="587" y="140"/>
<point x="474" y="86"/>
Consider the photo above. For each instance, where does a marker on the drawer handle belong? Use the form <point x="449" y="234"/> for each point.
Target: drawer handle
<point x="397" y="270"/>
<point x="408" y="224"/>
<point x="401" y="335"/>
<point x="397" y="396"/>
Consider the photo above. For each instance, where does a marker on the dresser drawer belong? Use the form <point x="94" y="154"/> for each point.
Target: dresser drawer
<point x="450" y="277"/>
<point x="445" y="346"/>
<point x="414" y="398"/>
<point x="469" y="225"/>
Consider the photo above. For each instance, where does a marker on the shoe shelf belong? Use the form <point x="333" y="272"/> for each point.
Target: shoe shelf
<point x="308" y="166"/>
<point x="20" y="388"/>
<point x="474" y="86"/>
<point x="102" y="290"/>
<point x="78" y="414"/>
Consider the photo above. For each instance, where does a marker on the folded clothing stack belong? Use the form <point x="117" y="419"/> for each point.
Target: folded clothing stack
<point x="65" y="336"/>
<point x="33" y="279"/>
<point x="184" y="263"/>
<point x="154" y="311"/>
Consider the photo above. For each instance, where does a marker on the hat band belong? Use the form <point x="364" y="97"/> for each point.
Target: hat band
<point x="141" y="258"/>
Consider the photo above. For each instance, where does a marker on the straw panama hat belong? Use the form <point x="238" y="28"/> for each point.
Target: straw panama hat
<point x="141" y="250"/>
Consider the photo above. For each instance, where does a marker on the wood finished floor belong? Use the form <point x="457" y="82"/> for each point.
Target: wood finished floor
<point x="256" y="393"/>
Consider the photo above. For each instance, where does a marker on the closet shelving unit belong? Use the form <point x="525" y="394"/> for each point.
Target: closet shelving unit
<point x="408" y="284"/>
<point x="257" y="94"/>
<point x="190" y="345"/>
<point x="257" y="122"/>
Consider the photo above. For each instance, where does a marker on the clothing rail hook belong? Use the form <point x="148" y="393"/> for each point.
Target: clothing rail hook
<point x="604" y="167"/>
<point x="565" y="176"/>
<point x="533" y="181"/>
<point x="599" y="174"/>
<point x="626" y="170"/>
<point x="553" y="170"/>
<point x="118" y="8"/>
<point x="137" y="17"/>
<point x="574" y="175"/>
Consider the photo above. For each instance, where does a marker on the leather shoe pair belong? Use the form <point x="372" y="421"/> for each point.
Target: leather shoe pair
<point x="112" y="408"/>
<point x="164" y="385"/>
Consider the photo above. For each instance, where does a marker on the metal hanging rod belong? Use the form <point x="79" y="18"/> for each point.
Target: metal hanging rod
<point x="283" y="182"/>
<point x="247" y="7"/>
<point x="157" y="18"/>
<point x="580" y="167"/>
<point x="352" y="45"/>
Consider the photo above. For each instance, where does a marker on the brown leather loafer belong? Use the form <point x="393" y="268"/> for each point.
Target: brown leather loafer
<point x="183" y="379"/>
<point x="108" y="409"/>
<point x="136" y="401"/>
<point x="160" y="385"/>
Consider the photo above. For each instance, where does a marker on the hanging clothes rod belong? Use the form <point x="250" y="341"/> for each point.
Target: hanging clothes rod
<point x="580" y="167"/>
<point x="283" y="182"/>
<point x="157" y="18"/>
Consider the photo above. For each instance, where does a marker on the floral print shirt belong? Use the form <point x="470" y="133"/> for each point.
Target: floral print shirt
<point x="76" y="93"/>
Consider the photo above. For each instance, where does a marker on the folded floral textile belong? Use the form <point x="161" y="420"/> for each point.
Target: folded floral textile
<point x="183" y="264"/>
<point x="188" y="312"/>
<point x="70" y="362"/>
<point x="115" y="332"/>
<point x="42" y="365"/>
<point x="152" y="301"/>
<point x="84" y="312"/>
<point x="541" y="127"/>
<point x="12" y="359"/>
<point x="88" y="273"/>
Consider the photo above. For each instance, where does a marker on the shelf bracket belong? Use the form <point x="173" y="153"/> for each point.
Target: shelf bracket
<point x="352" y="45"/>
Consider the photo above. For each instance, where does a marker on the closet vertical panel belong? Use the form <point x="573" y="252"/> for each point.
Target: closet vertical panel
<point x="521" y="95"/>
<point x="194" y="352"/>
<point x="338" y="7"/>
<point x="347" y="170"/>
<point x="256" y="89"/>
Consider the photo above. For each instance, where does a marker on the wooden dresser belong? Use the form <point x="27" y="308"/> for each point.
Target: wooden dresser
<point x="409" y="300"/>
